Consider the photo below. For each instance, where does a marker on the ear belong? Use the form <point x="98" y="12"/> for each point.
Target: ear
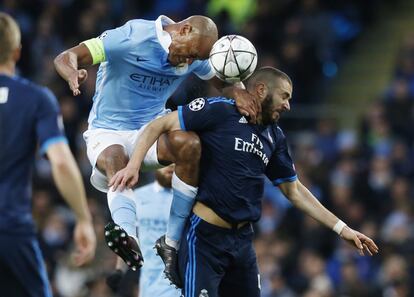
<point x="261" y="90"/>
<point x="185" y="29"/>
<point x="16" y="54"/>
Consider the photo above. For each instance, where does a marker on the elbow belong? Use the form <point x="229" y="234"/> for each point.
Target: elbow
<point x="58" y="60"/>
<point x="61" y="165"/>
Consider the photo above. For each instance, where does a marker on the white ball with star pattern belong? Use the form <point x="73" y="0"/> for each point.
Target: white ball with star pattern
<point x="233" y="58"/>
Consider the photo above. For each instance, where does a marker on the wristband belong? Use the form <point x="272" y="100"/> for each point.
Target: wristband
<point x="339" y="226"/>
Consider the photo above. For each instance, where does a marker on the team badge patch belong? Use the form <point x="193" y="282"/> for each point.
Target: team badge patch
<point x="197" y="104"/>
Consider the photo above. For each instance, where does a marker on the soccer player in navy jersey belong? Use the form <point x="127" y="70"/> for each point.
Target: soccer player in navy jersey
<point x="142" y="63"/>
<point x="216" y="256"/>
<point x="29" y="116"/>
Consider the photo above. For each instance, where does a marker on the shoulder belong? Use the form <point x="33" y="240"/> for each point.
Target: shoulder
<point x="222" y="106"/>
<point x="138" y="24"/>
<point x="139" y="29"/>
<point x="216" y="104"/>
<point x="221" y="101"/>
<point x="35" y="90"/>
<point x="279" y="136"/>
<point x="278" y="131"/>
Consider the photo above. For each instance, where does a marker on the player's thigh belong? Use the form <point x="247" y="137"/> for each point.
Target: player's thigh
<point x="22" y="271"/>
<point x="241" y="282"/>
<point x="107" y="149"/>
<point x="198" y="267"/>
<point x="178" y="146"/>
<point x="242" y="279"/>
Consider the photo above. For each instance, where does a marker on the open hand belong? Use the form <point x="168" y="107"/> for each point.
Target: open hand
<point x="360" y="241"/>
<point x="124" y="178"/>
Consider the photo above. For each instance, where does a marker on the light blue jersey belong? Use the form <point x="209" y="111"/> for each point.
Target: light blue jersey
<point x="153" y="208"/>
<point x="136" y="78"/>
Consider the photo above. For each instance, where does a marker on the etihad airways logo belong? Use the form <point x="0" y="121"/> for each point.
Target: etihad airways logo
<point x="154" y="83"/>
<point x="254" y="146"/>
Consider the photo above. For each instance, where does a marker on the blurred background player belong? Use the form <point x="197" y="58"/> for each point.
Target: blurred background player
<point x="141" y="64"/>
<point x="217" y="257"/>
<point x="29" y="117"/>
<point x="153" y="203"/>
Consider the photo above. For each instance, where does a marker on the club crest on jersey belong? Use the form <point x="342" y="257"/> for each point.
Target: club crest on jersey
<point x="197" y="104"/>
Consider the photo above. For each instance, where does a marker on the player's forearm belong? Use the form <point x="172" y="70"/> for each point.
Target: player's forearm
<point x="68" y="180"/>
<point x="303" y="199"/>
<point x="66" y="64"/>
<point x="143" y="144"/>
<point x="150" y="134"/>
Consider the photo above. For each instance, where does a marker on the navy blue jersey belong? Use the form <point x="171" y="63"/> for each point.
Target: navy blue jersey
<point x="236" y="156"/>
<point x="29" y="117"/>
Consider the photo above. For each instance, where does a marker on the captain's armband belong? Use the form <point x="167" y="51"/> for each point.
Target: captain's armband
<point x="96" y="48"/>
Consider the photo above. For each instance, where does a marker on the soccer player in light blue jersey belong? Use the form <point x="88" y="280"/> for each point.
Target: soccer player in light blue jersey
<point x="141" y="64"/>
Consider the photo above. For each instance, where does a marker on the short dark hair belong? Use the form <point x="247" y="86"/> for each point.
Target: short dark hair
<point x="269" y="76"/>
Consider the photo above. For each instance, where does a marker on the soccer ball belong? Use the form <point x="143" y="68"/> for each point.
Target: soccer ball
<point x="233" y="58"/>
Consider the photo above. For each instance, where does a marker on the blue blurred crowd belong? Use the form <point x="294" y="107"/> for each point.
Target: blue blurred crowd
<point x="364" y="175"/>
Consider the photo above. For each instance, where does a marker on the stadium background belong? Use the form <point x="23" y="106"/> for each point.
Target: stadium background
<point x="350" y="132"/>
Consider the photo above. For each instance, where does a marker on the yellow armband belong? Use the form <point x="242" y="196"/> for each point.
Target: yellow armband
<point x="96" y="47"/>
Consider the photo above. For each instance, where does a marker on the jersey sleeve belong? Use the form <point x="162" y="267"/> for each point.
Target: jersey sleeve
<point x="200" y="115"/>
<point x="204" y="70"/>
<point x="281" y="168"/>
<point x="49" y="124"/>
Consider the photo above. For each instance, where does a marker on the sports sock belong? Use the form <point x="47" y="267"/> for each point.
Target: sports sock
<point x="182" y="203"/>
<point x="123" y="210"/>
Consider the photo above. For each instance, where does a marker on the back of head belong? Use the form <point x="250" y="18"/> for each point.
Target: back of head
<point x="9" y="37"/>
<point x="269" y="76"/>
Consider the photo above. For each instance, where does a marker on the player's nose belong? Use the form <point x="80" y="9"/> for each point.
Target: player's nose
<point x="286" y="106"/>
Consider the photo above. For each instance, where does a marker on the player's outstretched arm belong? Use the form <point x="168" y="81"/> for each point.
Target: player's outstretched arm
<point x="303" y="199"/>
<point x="246" y="103"/>
<point x="70" y="185"/>
<point x="67" y="62"/>
<point x="128" y="177"/>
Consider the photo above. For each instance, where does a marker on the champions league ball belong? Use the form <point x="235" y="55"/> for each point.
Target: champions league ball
<point x="233" y="58"/>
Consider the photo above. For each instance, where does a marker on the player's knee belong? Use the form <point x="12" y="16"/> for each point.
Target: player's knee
<point x="112" y="159"/>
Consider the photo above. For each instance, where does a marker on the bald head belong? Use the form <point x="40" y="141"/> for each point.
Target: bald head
<point x="191" y="39"/>
<point x="9" y="38"/>
<point x="202" y="25"/>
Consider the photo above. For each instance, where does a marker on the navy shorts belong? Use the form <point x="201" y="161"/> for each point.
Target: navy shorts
<point x="215" y="261"/>
<point x="22" y="271"/>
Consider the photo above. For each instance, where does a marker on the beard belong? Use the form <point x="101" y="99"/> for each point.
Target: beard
<point x="267" y="111"/>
